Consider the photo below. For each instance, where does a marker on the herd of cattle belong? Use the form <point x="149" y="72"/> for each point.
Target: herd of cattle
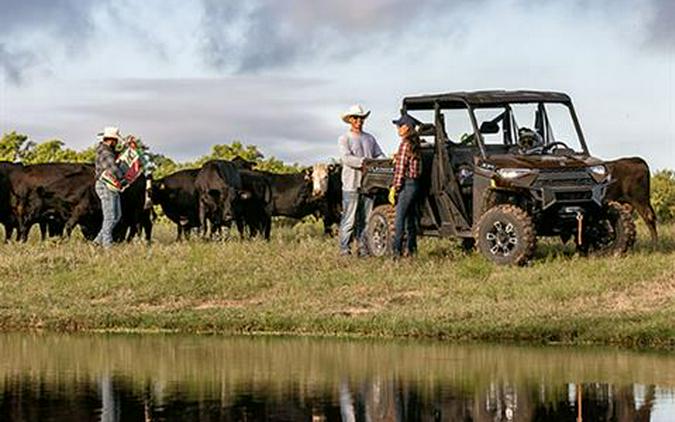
<point x="60" y="196"/>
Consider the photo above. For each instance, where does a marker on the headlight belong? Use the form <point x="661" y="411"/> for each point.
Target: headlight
<point x="599" y="173"/>
<point x="598" y="170"/>
<point x="513" y="173"/>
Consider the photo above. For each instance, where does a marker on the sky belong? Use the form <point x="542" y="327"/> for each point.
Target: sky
<point x="185" y="75"/>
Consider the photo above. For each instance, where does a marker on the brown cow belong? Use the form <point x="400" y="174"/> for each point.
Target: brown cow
<point x="631" y="185"/>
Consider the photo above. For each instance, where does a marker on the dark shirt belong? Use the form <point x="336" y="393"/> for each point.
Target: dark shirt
<point x="105" y="160"/>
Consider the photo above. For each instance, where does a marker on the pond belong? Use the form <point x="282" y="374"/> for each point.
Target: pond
<point x="181" y="377"/>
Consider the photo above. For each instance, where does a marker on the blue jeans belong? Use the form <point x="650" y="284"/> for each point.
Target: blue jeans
<point x="112" y="212"/>
<point x="356" y="209"/>
<point x="406" y="218"/>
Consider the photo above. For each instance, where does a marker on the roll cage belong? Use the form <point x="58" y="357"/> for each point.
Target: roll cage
<point x="471" y="101"/>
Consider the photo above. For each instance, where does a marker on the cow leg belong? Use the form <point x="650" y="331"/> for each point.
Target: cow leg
<point x="22" y="234"/>
<point x="43" y="230"/>
<point x="268" y="227"/>
<point x="216" y="230"/>
<point x="9" y="229"/>
<point x="133" y="231"/>
<point x="202" y="220"/>
<point x="70" y="225"/>
<point x="649" y="216"/>
<point x="147" y="228"/>
<point x="240" y="227"/>
<point x="55" y="229"/>
<point x="78" y="213"/>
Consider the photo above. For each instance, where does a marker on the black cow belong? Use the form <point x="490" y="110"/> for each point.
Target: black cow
<point x="7" y="218"/>
<point x="330" y="208"/>
<point x="255" y="204"/>
<point x="218" y="185"/>
<point x="178" y="197"/>
<point x="58" y="196"/>
<point x="63" y="192"/>
<point x="294" y="195"/>
<point x="631" y="185"/>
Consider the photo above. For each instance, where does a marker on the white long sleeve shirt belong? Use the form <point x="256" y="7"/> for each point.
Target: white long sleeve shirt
<point x="354" y="147"/>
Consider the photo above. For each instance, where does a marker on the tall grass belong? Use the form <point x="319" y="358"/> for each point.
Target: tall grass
<point x="297" y="283"/>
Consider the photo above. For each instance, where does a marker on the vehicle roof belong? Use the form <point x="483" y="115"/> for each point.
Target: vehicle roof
<point x="483" y="99"/>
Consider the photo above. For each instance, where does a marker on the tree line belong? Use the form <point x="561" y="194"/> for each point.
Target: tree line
<point x="19" y="147"/>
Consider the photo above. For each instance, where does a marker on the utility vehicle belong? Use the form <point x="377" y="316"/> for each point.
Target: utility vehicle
<point x="499" y="169"/>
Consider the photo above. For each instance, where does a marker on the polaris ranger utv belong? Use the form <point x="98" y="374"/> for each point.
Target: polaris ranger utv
<point x="520" y="169"/>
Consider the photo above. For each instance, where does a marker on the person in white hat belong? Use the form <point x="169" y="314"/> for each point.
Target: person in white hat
<point x="110" y="199"/>
<point x="356" y="146"/>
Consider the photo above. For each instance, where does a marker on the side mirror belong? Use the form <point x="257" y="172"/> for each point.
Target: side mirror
<point x="426" y="129"/>
<point x="489" y="128"/>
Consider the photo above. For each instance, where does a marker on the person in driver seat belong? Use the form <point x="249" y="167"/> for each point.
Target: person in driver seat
<point x="528" y="139"/>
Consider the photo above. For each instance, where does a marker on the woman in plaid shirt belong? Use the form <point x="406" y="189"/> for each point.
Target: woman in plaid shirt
<point x="405" y="189"/>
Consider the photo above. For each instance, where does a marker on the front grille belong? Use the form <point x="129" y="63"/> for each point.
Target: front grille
<point x="574" y="196"/>
<point x="565" y="186"/>
<point x="563" y="178"/>
<point x="563" y="183"/>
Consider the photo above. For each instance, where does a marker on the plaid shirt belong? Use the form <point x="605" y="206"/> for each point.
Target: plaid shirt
<point x="105" y="160"/>
<point x="406" y="165"/>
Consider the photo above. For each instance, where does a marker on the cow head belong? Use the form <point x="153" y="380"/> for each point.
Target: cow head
<point x="242" y="163"/>
<point x="320" y="174"/>
<point x="229" y="204"/>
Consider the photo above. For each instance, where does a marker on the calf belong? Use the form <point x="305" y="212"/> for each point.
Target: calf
<point x="631" y="185"/>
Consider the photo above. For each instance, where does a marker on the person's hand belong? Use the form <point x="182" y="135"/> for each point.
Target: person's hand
<point x="365" y="163"/>
<point x="392" y="195"/>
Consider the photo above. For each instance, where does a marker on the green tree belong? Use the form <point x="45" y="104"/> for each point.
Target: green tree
<point x="663" y="195"/>
<point x="87" y="155"/>
<point x="275" y="165"/>
<point x="12" y="146"/>
<point x="51" y="151"/>
<point x="230" y="151"/>
<point x="250" y="153"/>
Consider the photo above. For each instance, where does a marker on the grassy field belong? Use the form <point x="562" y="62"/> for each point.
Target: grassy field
<point x="296" y="283"/>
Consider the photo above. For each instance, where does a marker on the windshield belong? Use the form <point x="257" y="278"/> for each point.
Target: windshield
<point x="531" y="128"/>
<point x="519" y="128"/>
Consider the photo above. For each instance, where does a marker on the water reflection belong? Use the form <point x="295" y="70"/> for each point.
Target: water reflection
<point x="157" y="377"/>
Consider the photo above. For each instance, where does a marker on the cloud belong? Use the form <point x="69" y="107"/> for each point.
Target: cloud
<point x="184" y="117"/>
<point x="662" y="25"/>
<point x="266" y="35"/>
<point x="13" y="64"/>
<point x="67" y="22"/>
<point x="258" y="35"/>
<point x="252" y="36"/>
<point x="67" y="19"/>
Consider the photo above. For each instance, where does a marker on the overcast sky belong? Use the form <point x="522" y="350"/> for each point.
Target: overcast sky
<point x="278" y="73"/>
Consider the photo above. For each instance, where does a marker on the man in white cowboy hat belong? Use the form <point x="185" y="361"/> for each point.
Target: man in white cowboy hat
<point x="356" y="146"/>
<point x="110" y="199"/>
